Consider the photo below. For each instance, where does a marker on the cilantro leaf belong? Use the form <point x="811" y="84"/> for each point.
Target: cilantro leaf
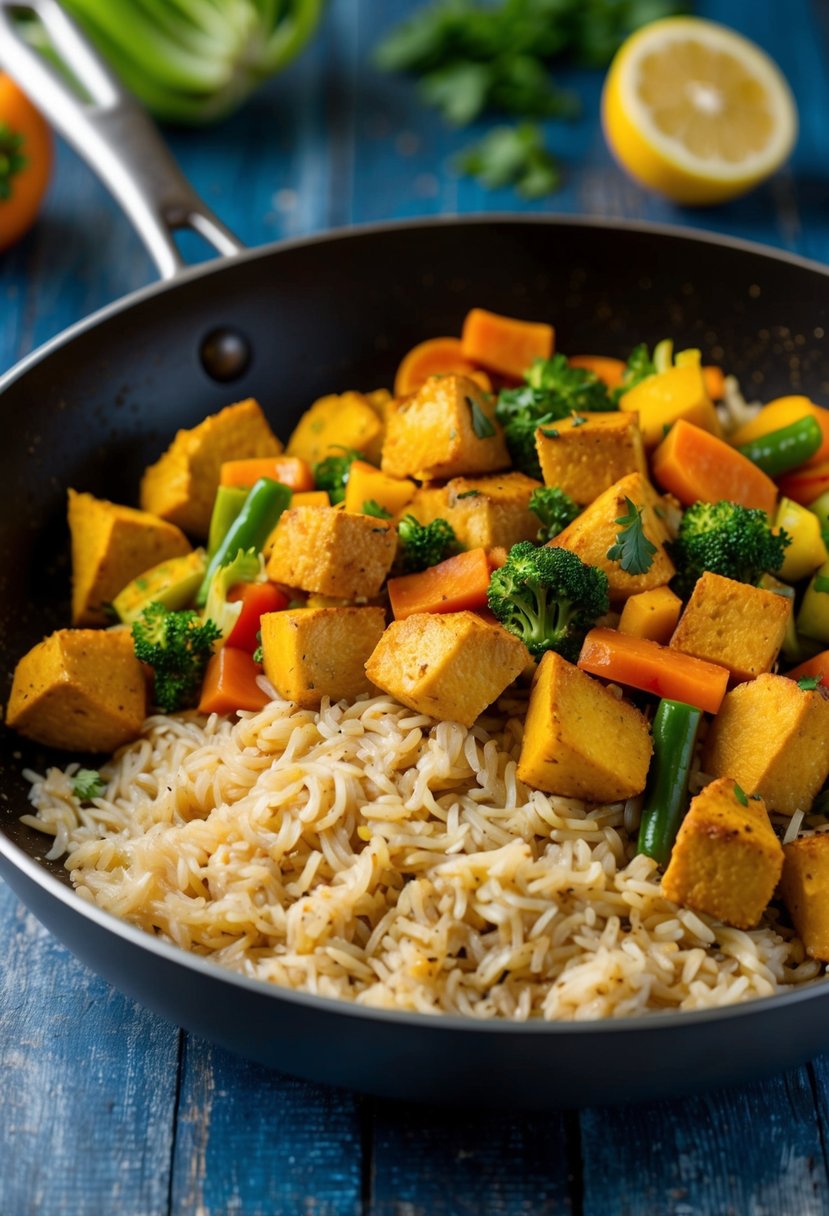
<point x="740" y="795"/>
<point x="809" y="683"/>
<point x="481" y="424"/>
<point x="633" y="551"/>
<point x="372" y="507"/>
<point x="87" y="784"/>
<point x="512" y="156"/>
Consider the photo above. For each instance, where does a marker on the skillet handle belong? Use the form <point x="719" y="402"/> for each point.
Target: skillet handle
<point x="111" y="131"/>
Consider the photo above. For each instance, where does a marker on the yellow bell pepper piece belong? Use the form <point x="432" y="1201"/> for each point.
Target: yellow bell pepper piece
<point x="662" y="399"/>
<point x="310" y="498"/>
<point x="782" y="412"/>
<point x="651" y="614"/>
<point x="807" y="550"/>
<point x="368" y="484"/>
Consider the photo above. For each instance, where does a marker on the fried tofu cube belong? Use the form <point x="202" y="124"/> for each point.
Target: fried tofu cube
<point x="182" y="484"/>
<point x="450" y="665"/>
<point x="805" y="890"/>
<point x="586" y="454"/>
<point x="593" y="533"/>
<point x="344" y="420"/>
<point x="332" y="552"/>
<point x="726" y="859"/>
<point x="733" y="624"/>
<point x="79" y="690"/>
<point x="311" y="653"/>
<point x="773" y="738"/>
<point x="651" y="614"/>
<point x="580" y="741"/>
<point x="485" y="512"/>
<point x="446" y="429"/>
<point x="112" y="545"/>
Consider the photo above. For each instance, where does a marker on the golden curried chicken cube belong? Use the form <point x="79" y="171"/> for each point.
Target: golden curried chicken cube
<point x="594" y="533"/>
<point x="773" y="738"/>
<point x="311" y="653"/>
<point x="805" y="890"/>
<point x="580" y="741"/>
<point x="446" y="429"/>
<point x="449" y="665"/>
<point x="79" y="690"/>
<point x="585" y="454"/>
<point x="182" y="484"/>
<point x="331" y="552"/>
<point x="733" y="624"/>
<point x="726" y="859"/>
<point x="112" y="545"/>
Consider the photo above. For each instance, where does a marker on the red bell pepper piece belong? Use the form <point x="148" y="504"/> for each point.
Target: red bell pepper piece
<point x="256" y="598"/>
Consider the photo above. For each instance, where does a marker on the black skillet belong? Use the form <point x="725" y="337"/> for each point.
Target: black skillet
<point x="287" y="324"/>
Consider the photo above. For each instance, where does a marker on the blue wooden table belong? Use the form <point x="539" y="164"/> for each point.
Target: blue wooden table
<point x="105" y="1108"/>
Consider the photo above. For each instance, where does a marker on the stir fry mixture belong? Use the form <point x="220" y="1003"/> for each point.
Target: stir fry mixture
<point x="605" y="531"/>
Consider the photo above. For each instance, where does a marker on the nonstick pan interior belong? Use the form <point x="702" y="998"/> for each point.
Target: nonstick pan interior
<point x="322" y="316"/>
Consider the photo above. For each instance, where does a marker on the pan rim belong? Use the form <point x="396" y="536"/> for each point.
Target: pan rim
<point x="661" y="1022"/>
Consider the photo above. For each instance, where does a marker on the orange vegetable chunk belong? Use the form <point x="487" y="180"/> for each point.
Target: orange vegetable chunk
<point x="230" y="683"/>
<point x="714" y="380"/>
<point x="696" y="466"/>
<point x="505" y="344"/>
<point x="291" y="471"/>
<point x="818" y="666"/>
<point x="806" y="484"/>
<point x="608" y="370"/>
<point x="653" y="668"/>
<point x="459" y="583"/>
<point x="434" y="357"/>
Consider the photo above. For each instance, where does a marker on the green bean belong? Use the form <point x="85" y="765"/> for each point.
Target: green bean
<point x="226" y="506"/>
<point x="266" y="501"/>
<point x="675" y="729"/>
<point x="781" y="451"/>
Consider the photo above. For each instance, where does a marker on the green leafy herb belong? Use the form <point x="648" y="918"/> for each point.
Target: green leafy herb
<point x="809" y="683"/>
<point x="578" y="420"/>
<point x="639" y="366"/>
<point x="512" y="156"/>
<point x="481" y="424"/>
<point x="258" y="655"/>
<point x="633" y="551"/>
<point x="12" y="161"/>
<point x="740" y="795"/>
<point x="549" y="432"/>
<point x="372" y="507"/>
<point x="87" y="784"/>
<point x="467" y="494"/>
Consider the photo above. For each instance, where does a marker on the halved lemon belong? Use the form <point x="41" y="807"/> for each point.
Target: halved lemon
<point x="696" y="111"/>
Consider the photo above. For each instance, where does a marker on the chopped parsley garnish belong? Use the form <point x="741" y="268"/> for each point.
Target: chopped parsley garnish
<point x="481" y="425"/>
<point x="633" y="551"/>
<point x="809" y="683"/>
<point x="372" y="507"/>
<point x="740" y="795"/>
<point x="87" y="784"/>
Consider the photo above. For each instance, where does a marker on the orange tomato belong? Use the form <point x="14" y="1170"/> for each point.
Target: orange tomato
<point x="25" y="161"/>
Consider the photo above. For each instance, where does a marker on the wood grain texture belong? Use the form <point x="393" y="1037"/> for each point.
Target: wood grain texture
<point x="99" y="1094"/>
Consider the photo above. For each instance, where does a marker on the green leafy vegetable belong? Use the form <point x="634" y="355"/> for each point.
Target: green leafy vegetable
<point x="548" y="597"/>
<point x="633" y="551"/>
<point x="728" y="539"/>
<point x="177" y="646"/>
<point x="247" y="566"/>
<point x="332" y="473"/>
<point x="12" y="159"/>
<point x="809" y="683"/>
<point x="481" y="424"/>
<point x="740" y="795"/>
<point x="554" y="508"/>
<point x="468" y="494"/>
<point x="512" y="156"/>
<point x="194" y="60"/>
<point x="372" y="507"/>
<point x="424" y="545"/>
<point x="639" y="366"/>
<point x="87" y="784"/>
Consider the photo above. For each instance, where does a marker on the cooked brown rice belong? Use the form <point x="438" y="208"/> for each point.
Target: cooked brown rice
<point x="369" y="853"/>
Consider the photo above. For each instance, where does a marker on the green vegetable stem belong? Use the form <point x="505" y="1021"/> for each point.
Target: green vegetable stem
<point x="266" y="501"/>
<point x="226" y="506"/>
<point x="786" y="449"/>
<point x="675" y="729"/>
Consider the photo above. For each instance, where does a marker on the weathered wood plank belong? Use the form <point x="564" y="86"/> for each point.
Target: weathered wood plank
<point x="432" y="1162"/>
<point x="757" y="1149"/>
<point x="87" y="1098"/>
<point x="253" y="1141"/>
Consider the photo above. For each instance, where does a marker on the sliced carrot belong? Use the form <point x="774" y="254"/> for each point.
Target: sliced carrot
<point x="291" y="471"/>
<point x="230" y="683"/>
<point x="714" y="378"/>
<point x="818" y="666"/>
<point x="653" y="668"/>
<point x="607" y="369"/>
<point x="434" y="357"/>
<point x="782" y="412"/>
<point x="806" y="484"/>
<point x="696" y="466"/>
<point x="458" y="583"/>
<point x="310" y="498"/>
<point x="504" y="344"/>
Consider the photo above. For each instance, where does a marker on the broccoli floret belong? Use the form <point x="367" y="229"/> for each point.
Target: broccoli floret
<point x="423" y="545"/>
<point x="332" y="473"/>
<point x="552" y="390"/>
<point x="725" y="538"/>
<point x="177" y="646"/>
<point x="554" y="508"/>
<point x="548" y="597"/>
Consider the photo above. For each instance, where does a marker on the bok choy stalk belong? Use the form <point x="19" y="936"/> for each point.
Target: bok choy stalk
<point x="194" y="61"/>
